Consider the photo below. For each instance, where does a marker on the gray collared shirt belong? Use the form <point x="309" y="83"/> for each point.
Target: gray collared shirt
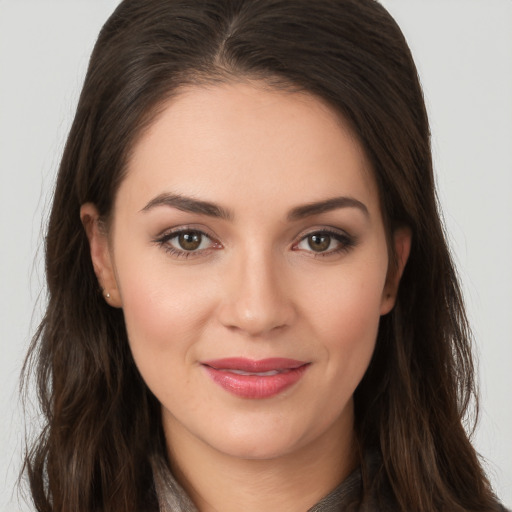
<point x="344" y="498"/>
<point x="173" y="498"/>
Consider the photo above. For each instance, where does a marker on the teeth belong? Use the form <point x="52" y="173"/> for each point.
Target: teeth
<point x="259" y="374"/>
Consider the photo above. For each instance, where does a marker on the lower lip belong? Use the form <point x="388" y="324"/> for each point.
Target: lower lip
<point x="255" y="386"/>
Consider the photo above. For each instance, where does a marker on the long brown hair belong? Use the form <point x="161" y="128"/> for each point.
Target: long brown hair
<point x="102" y="424"/>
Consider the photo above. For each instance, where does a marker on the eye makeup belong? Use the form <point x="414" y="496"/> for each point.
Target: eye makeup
<point x="186" y="242"/>
<point x="325" y="242"/>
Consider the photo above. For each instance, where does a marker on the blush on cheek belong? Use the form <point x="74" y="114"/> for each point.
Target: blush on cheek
<point x="163" y="315"/>
<point x="350" y="321"/>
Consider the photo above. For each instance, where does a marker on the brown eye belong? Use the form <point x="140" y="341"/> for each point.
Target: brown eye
<point x="186" y="243"/>
<point x="190" y="240"/>
<point x="325" y="243"/>
<point x="319" y="242"/>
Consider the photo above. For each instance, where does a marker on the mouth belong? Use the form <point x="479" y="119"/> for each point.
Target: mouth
<point x="255" y="379"/>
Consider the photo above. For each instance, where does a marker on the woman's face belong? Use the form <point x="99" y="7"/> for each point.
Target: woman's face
<point x="249" y="256"/>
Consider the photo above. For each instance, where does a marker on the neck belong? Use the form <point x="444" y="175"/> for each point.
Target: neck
<point x="294" y="481"/>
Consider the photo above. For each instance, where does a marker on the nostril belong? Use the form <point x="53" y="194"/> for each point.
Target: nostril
<point x="255" y="321"/>
<point x="256" y="299"/>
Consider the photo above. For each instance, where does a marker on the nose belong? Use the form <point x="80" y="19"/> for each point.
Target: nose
<point x="257" y="298"/>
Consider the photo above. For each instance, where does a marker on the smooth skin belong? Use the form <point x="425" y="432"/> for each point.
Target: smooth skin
<point x="215" y="251"/>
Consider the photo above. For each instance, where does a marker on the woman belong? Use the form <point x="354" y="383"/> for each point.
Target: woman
<point x="252" y="305"/>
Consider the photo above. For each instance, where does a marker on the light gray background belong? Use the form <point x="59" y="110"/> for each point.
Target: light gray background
<point x="463" y="49"/>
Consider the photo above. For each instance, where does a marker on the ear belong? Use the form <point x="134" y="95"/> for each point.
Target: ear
<point x="101" y="256"/>
<point x="402" y="246"/>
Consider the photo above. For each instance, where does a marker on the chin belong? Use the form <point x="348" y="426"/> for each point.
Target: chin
<point x="256" y="449"/>
<point x="260" y="440"/>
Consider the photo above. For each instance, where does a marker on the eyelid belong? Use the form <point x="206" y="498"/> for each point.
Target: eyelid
<point x="346" y="241"/>
<point x="199" y="228"/>
<point x="163" y="238"/>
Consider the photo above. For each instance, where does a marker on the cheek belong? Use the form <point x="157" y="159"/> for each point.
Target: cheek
<point x="165" y="316"/>
<point x="345" y="316"/>
<point x="164" y="310"/>
<point x="348" y="299"/>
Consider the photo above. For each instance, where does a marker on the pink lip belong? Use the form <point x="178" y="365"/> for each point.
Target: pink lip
<point x="283" y="373"/>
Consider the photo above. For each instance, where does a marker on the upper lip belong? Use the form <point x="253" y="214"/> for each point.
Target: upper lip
<point x="255" y="366"/>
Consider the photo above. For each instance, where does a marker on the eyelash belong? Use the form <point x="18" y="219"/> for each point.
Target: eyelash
<point x="163" y="241"/>
<point x="346" y="243"/>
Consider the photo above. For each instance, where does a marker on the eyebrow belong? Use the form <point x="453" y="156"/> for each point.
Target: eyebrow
<point x="191" y="205"/>
<point x="310" y="209"/>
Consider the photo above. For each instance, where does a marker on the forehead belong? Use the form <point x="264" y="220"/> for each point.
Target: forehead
<point x="248" y="142"/>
